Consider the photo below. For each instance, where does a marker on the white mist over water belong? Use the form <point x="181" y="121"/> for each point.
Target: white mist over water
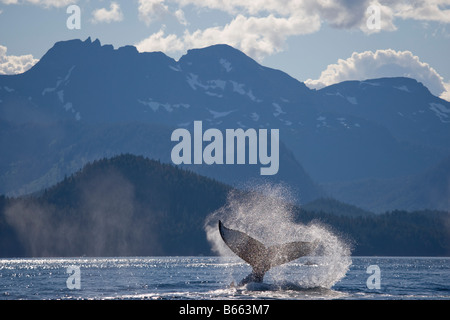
<point x="266" y="213"/>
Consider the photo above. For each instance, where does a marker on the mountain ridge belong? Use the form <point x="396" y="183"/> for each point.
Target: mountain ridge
<point x="355" y="130"/>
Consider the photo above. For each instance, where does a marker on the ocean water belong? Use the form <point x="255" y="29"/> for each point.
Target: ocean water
<point x="210" y="278"/>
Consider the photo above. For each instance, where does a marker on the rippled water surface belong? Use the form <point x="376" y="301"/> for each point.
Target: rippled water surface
<point x="214" y="278"/>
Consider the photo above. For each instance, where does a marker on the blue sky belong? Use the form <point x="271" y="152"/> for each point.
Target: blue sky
<point x="317" y="42"/>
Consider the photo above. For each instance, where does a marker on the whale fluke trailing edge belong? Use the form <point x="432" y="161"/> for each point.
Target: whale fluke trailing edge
<point x="260" y="257"/>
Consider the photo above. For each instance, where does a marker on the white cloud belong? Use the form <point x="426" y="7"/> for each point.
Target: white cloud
<point x="382" y="63"/>
<point x="446" y="94"/>
<point x="424" y="10"/>
<point x="15" y="64"/>
<point x="159" y="42"/>
<point x="114" y="14"/>
<point x="151" y="10"/>
<point x="256" y="37"/>
<point x="258" y="28"/>
<point x="338" y="13"/>
<point x="9" y="1"/>
<point x="179" y="14"/>
<point x="261" y="27"/>
<point x="43" y="3"/>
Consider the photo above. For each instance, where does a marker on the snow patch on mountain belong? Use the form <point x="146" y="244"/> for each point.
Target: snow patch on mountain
<point x="218" y="114"/>
<point x="61" y="80"/>
<point x="238" y="87"/>
<point x="218" y="84"/>
<point x="403" y="88"/>
<point x="343" y="122"/>
<point x="374" y="84"/>
<point x="60" y="95"/>
<point x="254" y="116"/>
<point x="212" y="94"/>
<point x="441" y="111"/>
<point x="47" y="90"/>
<point x="154" y="105"/>
<point x="252" y="97"/>
<point x="68" y="106"/>
<point x="192" y="80"/>
<point x="352" y="100"/>
<point x="337" y="93"/>
<point x="213" y="84"/>
<point x="278" y="109"/>
<point x="322" y="122"/>
<point x="226" y="64"/>
<point x="176" y="68"/>
<point x="65" y="79"/>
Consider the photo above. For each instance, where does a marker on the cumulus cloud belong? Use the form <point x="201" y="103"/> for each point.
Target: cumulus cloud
<point x="258" y="28"/>
<point x="261" y="27"/>
<point x="257" y="37"/>
<point x="152" y="10"/>
<point x="431" y="10"/>
<point x="338" y="13"/>
<point x="382" y="63"/>
<point x="446" y="94"/>
<point x="159" y="42"/>
<point x="342" y="14"/>
<point x="114" y="14"/>
<point x="15" y="64"/>
<point x="179" y="14"/>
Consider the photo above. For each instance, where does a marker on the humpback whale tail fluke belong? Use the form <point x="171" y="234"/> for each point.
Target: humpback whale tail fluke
<point x="260" y="257"/>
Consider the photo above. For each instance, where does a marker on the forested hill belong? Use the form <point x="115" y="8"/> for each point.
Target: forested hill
<point x="127" y="205"/>
<point x="133" y="206"/>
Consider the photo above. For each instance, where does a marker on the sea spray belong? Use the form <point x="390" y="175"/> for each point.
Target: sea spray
<point x="266" y="212"/>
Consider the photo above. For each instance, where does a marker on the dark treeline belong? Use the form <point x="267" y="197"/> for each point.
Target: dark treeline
<point x="133" y="206"/>
<point x="397" y="233"/>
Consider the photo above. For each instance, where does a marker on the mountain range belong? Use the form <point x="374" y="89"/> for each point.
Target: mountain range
<point x="368" y="143"/>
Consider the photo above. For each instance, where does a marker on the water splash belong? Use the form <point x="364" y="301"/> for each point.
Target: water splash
<point x="266" y="212"/>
